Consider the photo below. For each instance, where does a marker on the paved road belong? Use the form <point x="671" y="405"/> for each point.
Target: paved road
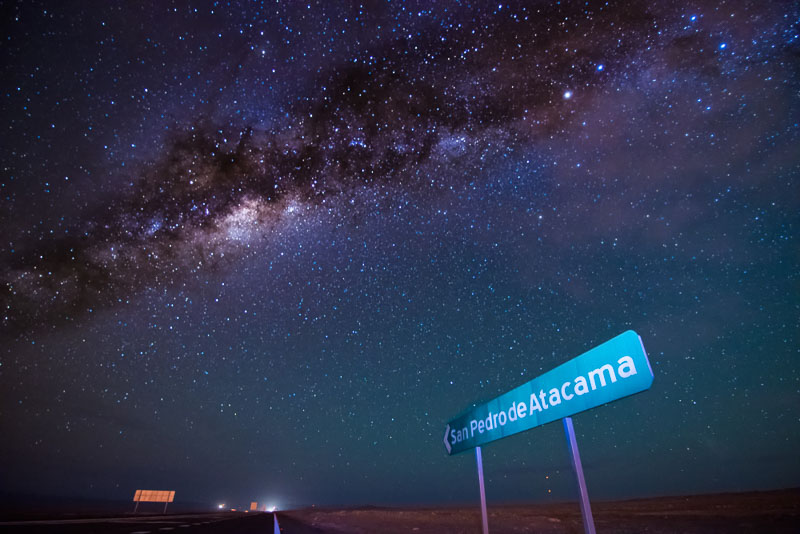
<point x="293" y="526"/>
<point x="238" y="523"/>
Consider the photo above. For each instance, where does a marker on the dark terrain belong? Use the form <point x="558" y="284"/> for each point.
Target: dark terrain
<point x="763" y="512"/>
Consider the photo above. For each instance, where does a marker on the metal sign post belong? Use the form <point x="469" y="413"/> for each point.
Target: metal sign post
<point x="484" y="517"/>
<point x="575" y="455"/>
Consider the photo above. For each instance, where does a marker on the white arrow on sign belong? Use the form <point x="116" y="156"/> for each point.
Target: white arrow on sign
<point x="447" y="443"/>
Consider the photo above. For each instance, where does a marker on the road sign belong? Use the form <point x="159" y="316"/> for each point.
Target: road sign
<point x="615" y="369"/>
<point x="153" y="496"/>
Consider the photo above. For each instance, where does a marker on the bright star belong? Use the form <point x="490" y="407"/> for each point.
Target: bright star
<point x="567" y="95"/>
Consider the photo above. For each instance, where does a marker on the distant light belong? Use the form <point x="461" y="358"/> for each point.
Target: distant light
<point x="273" y="508"/>
<point x="693" y="18"/>
<point x="722" y="46"/>
<point x="221" y="506"/>
<point x="567" y="95"/>
<point x="600" y="67"/>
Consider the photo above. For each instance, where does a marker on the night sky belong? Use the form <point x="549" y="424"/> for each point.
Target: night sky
<point x="266" y="250"/>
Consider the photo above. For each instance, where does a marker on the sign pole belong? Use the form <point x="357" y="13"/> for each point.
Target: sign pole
<point x="165" y="506"/>
<point x="484" y="518"/>
<point x="586" y="509"/>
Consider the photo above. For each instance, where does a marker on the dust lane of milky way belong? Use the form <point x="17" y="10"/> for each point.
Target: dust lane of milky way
<point x="386" y="123"/>
<point x="389" y="123"/>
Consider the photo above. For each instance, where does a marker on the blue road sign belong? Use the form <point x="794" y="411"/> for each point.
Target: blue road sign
<point x="615" y="369"/>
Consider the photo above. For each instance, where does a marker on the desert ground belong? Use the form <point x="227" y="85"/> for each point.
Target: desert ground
<point x="762" y="512"/>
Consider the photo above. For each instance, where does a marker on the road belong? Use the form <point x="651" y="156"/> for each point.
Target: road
<point x="219" y="523"/>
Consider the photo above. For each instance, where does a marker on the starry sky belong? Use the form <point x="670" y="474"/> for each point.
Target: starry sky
<point x="266" y="250"/>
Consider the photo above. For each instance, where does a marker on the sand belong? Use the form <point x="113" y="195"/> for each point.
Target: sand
<point x="763" y="512"/>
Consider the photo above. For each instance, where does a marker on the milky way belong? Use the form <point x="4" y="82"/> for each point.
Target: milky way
<point x="310" y="234"/>
<point x="394" y="117"/>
